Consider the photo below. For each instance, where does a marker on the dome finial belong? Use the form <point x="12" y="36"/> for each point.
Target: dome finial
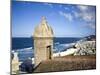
<point x="43" y="29"/>
<point x="43" y="19"/>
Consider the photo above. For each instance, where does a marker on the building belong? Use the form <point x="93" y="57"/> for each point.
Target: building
<point x="43" y="42"/>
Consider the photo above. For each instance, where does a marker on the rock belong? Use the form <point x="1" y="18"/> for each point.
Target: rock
<point x="27" y="66"/>
<point x="15" y="63"/>
<point x="85" y="48"/>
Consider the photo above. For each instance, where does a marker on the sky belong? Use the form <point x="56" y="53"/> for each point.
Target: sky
<point x="66" y="20"/>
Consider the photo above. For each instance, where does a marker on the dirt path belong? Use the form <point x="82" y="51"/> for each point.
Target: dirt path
<point x="67" y="63"/>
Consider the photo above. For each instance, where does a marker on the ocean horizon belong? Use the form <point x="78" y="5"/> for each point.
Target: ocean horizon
<point x="26" y="42"/>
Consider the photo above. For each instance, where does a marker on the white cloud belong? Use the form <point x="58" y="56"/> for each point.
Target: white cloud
<point x="90" y="25"/>
<point x="68" y="16"/>
<point x="84" y="14"/>
<point x="66" y="8"/>
<point x="89" y="17"/>
<point x="76" y="14"/>
<point x="82" y="7"/>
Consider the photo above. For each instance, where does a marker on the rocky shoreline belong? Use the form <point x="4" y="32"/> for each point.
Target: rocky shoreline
<point x="85" y="46"/>
<point x="80" y="48"/>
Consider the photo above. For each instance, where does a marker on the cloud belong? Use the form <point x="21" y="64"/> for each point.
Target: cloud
<point x="85" y="13"/>
<point x="83" y="7"/>
<point x="66" y="8"/>
<point x="85" y="16"/>
<point x="88" y="17"/>
<point x="82" y="13"/>
<point x="90" y="25"/>
<point x="68" y="16"/>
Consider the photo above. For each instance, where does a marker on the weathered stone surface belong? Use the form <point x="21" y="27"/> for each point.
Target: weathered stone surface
<point x="43" y="42"/>
<point x="43" y="29"/>
<point x="15" y="63"/>
<point x="85" y="48"/>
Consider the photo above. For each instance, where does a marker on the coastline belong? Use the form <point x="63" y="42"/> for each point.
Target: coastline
<point x="69" y="51"/>
<point x="80" y="49"/>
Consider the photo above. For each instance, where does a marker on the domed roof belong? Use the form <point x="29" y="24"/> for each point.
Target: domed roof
<point x="43" y="29"/>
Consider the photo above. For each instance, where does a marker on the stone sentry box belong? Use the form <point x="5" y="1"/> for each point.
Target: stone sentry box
<point x="43" y="42"/>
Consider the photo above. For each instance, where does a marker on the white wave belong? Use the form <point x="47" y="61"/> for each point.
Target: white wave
<point x="13" y="51"/>
<point x="57" y="43"/>
<point x="29" y="48"/>
<point x="70" y="44"/>
<point x="67" y="52"/>
<point x="33" y="61"/>
<point x="23" y="49"/>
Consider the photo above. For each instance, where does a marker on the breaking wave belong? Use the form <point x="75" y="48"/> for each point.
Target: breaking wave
<point x="26" y="53"/>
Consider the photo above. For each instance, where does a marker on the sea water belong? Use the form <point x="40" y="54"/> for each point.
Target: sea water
<point x="25" y="46"/>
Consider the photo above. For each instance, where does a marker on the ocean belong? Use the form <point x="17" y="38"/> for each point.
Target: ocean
<point x="25" y="48"/>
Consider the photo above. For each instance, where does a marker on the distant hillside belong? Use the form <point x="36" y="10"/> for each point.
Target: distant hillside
<point x="90" y="37"/>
